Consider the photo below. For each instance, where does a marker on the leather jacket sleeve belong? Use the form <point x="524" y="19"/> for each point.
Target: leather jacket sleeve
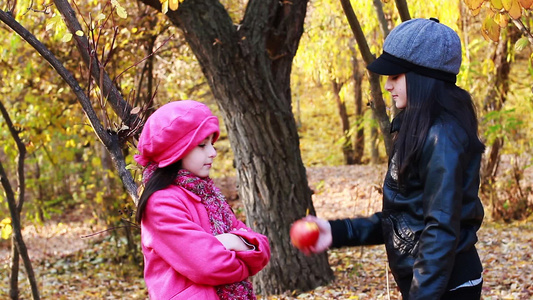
<point x="441" y="167"/>
<point x="357" y="231"/>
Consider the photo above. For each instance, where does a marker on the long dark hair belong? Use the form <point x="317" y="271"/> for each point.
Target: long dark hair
<point x="161" y="178"/>
<point x="427" y="99"/>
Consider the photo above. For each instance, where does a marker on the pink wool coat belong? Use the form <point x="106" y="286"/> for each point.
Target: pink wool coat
<point x="182" y="258"/>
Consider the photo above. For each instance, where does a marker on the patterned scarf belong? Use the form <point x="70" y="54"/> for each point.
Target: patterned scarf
<point x="220" y="216"/>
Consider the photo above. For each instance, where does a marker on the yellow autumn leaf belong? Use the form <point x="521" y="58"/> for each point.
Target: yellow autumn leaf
<point x="70" y="143"/>
<point x="121" y="12"/>
<point x="6" y="229"/>
<point x="474" y="4"/>
<point x="490" y="29"/>
<point x="476" y="12"/>
<point x="507" y="4"/>
<point x="95" y="161"/>
<point x="516" y="10"/>
<point x="51" y="22"/>
<point x="6" y="232"/>
<point x="79" y="33"/>
<point x="164" y="7"/>
<point x="133" y="167"/>
<point x="502" y="20"/>
<point x="67" y="37"/>
<point x="99" y="17"/>
<point x="521" y="44"/>
<point x="173" y="4"/>
<point x="497" y="4"/>
<point x="526" y="3"/>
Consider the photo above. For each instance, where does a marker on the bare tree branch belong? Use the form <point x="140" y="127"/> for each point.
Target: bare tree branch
<point x="385" y="29"/>
<point x="108" y="138"/>
<point x="88" y="54"/>
<point x="383" y="24"/>
<point x="403" y="9"/>
<point x="13" y="286"/>
<point x="14" y="210"/>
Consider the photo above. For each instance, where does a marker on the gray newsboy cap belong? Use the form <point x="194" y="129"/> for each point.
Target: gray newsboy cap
<point x="424" y="46"/>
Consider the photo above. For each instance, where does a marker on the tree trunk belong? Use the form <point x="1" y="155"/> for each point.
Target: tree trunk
<point x="494" y="101"/>
<point x="374" y="140"/>
<point x="359" y="141"/>
<point x="347" y="146"/>
<point x="248" y="69"/>
<point x="14" y="276"/>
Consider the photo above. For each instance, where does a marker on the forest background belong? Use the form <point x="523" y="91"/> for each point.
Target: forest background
<point x="69" y="173"/>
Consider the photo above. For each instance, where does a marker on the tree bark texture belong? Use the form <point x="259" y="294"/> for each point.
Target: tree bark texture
<point x="359" y="141"/>
<point x="14" y="279"/>
<point x="248" y="68"/>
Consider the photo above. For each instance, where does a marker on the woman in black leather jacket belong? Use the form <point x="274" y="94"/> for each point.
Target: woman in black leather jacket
<point x="431" y="209"/>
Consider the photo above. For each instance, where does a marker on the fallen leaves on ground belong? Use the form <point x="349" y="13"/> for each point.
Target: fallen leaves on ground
<point x="68" y="267"/>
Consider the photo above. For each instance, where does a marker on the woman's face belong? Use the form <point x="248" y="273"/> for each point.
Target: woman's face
<point x="200" y="159"/>
<point x="397" y="87"/>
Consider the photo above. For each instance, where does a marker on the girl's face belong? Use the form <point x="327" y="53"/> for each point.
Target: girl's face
<point x="199" y="160"/>
<point x="397" y="87"/>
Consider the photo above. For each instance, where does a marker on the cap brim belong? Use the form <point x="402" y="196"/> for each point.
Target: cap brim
<point x="387" y="64"/>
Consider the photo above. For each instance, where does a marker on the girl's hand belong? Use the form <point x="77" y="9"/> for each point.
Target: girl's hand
<point x="233" y="242"/>
<point x="324" y="238"/>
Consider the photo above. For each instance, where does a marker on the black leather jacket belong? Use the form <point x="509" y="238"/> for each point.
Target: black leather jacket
<point x="429" y="225"/>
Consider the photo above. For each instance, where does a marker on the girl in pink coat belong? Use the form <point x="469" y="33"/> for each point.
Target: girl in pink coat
<point x="194" y="247"/>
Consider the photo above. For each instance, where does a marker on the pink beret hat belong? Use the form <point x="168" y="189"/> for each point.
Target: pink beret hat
<point x="173" y="130"/>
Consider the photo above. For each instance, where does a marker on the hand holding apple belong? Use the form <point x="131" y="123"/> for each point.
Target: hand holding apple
<point x="321" y="243"/>
<point x="304" y="234"/>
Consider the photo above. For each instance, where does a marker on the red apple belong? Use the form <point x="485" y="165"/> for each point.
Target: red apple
<point x="304" y="233"/>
